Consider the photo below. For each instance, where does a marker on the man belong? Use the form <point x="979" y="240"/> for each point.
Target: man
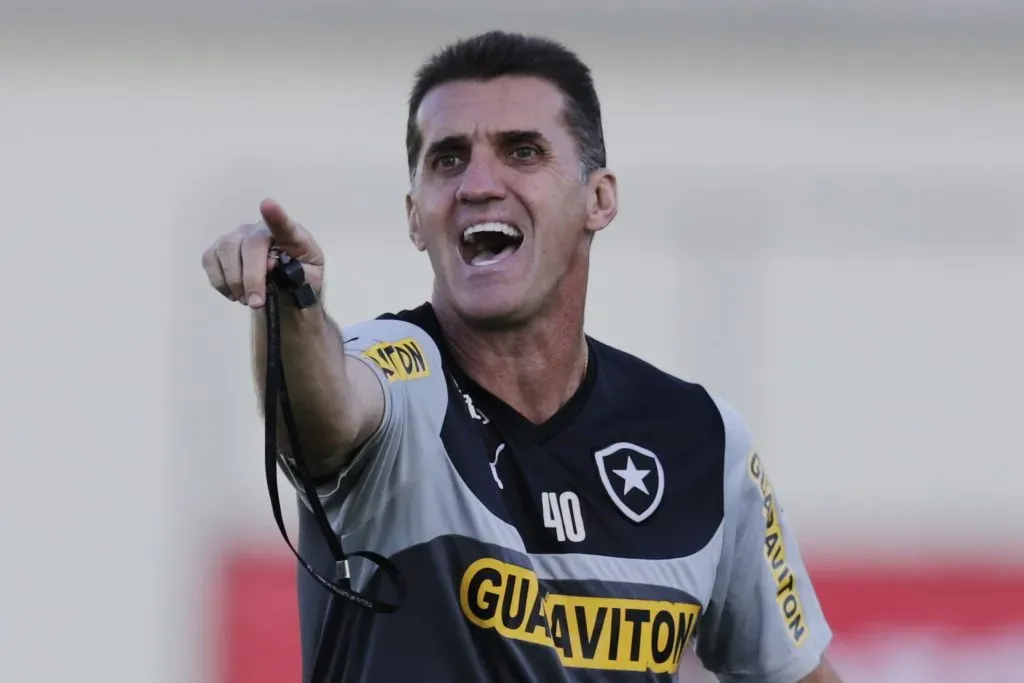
<point x="560" y="510"/>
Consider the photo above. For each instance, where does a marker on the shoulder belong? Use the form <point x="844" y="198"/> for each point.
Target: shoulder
<point x="739" y="444"/>
<point x="688" y="405"/>
<point x="647" y="387"/>
<point x="390" y="327"/>
<point x="401" y="344"/>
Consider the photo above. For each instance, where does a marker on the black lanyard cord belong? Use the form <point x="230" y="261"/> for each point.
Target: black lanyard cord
<point x="288" y="276"/>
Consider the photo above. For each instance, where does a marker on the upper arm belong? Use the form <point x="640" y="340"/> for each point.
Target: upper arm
<point x="764" y="622"/>
<point x="367" y="415"/>
<point x="400" y="364"/>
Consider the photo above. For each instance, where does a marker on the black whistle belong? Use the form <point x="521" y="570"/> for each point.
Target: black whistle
<point x="289" y="277"/>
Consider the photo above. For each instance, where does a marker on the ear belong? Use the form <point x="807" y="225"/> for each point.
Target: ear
<point x="414" y="223"/>
<point x="602" y="200"/>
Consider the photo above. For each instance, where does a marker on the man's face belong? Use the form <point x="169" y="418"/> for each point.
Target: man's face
<point x="499" y="202"/>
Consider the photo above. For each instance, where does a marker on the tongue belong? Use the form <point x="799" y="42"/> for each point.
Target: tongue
<point x="488" y="257"/>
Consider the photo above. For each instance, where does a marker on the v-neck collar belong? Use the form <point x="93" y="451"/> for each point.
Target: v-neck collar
<point x="506" y="415"/>
<point x="497" y="409"/>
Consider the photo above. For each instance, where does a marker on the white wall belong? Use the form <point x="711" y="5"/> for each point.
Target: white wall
<point x="835" y="241"/>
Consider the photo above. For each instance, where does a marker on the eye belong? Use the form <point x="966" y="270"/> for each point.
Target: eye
<point x="446" y="161"/>
<point x="525" y="153"/>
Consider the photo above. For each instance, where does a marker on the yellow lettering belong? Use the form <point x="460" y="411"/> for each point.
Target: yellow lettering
<point x="775" y="554"/>
<point x="609" y="634"/>
<point x="400" y="361"/>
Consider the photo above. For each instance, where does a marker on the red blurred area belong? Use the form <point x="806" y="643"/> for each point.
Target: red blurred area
<point x="943" y="621"/>
<point x="259" y="621"/>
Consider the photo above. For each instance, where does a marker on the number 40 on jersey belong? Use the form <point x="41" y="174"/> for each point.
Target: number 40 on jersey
<point x="562" y="513"/>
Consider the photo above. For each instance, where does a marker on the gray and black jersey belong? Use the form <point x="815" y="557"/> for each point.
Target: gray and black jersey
<point x="597" y="546"/>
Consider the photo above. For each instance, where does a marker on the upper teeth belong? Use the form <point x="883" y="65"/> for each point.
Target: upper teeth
<point x="503" y="228"/>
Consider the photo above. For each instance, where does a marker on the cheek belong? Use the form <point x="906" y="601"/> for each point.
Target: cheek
<point x="434" y="218"/>
<point x="561" y="218"/>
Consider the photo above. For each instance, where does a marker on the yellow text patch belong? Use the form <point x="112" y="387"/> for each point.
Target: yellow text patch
<point x="775" y="553"/>
<point x="400" y="360"/>
<point x="610" y="634"/>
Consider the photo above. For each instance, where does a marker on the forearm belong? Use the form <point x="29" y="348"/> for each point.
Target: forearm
<point x="321" y="394"/>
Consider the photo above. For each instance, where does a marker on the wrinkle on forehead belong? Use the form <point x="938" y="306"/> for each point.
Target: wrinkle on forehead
<point x="481" y="109"/>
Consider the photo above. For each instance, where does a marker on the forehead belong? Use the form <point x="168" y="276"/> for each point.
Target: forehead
<point x="480" y="108"/>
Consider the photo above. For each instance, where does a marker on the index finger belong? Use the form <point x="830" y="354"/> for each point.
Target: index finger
<point x="284" y="230"/>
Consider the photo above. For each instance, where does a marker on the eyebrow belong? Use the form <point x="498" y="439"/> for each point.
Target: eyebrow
<point x="459" y="143"/>
<point x="512" y="137"/>
<point x="449" y="143"/>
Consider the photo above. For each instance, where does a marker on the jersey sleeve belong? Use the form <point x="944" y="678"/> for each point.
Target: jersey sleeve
<point x="407" y="364"/>
<point x="764" y="623"/>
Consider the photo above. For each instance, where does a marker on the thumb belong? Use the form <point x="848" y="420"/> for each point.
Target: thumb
<point x="285" y="231"/>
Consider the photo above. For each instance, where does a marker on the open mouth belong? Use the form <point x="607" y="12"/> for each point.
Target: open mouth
<point x="488" y="243"/>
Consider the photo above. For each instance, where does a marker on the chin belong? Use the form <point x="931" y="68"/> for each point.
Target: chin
<point x="492" y="309"/>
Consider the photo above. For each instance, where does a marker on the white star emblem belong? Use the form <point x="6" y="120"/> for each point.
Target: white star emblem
<point x="633" y="478"/>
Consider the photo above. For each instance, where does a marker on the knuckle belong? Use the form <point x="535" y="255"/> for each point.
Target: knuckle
<point x="256" y="229"/>
<point x="255" y="240"/>
<point x="227" y="248"/>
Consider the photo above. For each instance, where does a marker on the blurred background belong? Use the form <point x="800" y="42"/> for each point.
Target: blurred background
<point x="821" y="219"/>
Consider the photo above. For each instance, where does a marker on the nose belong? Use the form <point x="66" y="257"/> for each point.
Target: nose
<point x="481" y="181"/>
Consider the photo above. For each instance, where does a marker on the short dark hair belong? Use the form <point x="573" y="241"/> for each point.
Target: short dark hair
<point x="497" y="53"/>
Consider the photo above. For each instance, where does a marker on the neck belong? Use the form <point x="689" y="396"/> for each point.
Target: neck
<point x="534" y="368"/>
